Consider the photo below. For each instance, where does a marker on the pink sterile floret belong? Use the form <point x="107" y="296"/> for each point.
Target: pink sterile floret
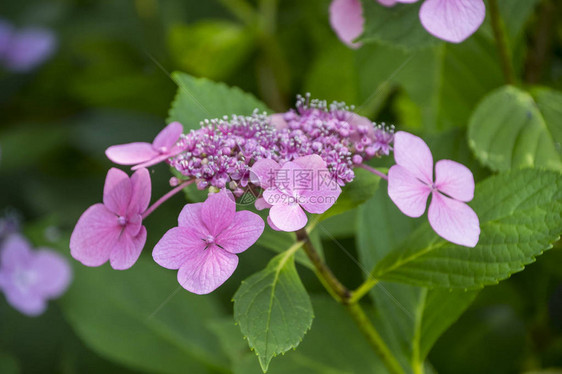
<point x="304" y="183"/>
<point x="410" y="182"/>
<point x="142" y="154"/>
<point x="113" y="230"/>
<point x="29" y="278"/>
<point x="204" y="245"/>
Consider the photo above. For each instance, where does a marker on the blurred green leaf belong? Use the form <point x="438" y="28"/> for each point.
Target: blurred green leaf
<point x="520" y="216"/>
<point x="199" y="98"/>
<point x="398" y="25"/>
<point x="8" y="364"/>
<point x="355" y="193"/>
<point x="210" y="48"/>
<point x="143" y="319"/>
<point x="273" y="309"/>
<point x="409" y="318"/>
<point x="508" y="130"/>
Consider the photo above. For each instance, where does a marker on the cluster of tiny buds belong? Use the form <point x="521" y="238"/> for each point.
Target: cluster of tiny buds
<point x="222" y="151"/>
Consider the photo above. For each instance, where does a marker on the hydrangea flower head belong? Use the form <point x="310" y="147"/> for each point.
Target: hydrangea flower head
<point x="410" y="182"/>
<point x="304" y="184"/>
<point x="450" y="20"/>
<point x="143" y="154"/>
<point x="204" y="245"/>
<point x="29" y="278"/>
<point x="113" y="230"/>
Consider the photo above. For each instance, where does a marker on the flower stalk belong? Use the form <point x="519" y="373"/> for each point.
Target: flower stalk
<point x="168" y="195"/>
<point x="500" y="34"/>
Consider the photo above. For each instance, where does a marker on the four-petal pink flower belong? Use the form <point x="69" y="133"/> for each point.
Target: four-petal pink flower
<point x="204" y="245"/>
<point x="450" y="20"/>
<point x="29" y="278"/>
<point x="410" y="182"/>
<point x="289" y="190"/>
<point x="142" y="154"/>
<point x="113" y="230"/>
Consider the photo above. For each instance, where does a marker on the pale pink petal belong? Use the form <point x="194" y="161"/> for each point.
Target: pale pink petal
<point x="319" y="201"/>
<point x="190" y="217"/>
<point x="131" y="153"/>
<point x="133" y="224"/>
<point x="53" y="273"/>
<point x="272" y="225"/>
<point x="272" y="196"/>
<point x="178" y="245"/>
<point x="168" y="137"/>
<point x="453" y="220"/>
<point x="406" y="1"/>
<point x="387" y="2"/>
<point x="452" y="20"/>
<point x="206" y="272"/>
<point x="242" y="233"/>
<point x="314" y="162"/>
<point x="16" y="251"/>
<point x="140" y="182"/>
<point x="263" y="172"/>
<point x="346" y="18"/>
<point x="277" y="121"/>
<point x="25" y="301"/>
<point x="94" y="236"/>
<point x="454" y="179"/>
<point x="117" y="191"/>
<point x="261" y="204"/>
<point x="414" y="155"/>
<point x="407" y="192"/>
<point x="217" y="212"/>
<point x="288" y="217"/>
<point x="154" y="161"/>
<point x="127" y="250"/>
<point x="29" y="48"/>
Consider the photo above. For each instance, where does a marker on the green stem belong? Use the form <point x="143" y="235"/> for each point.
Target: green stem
<point x="500" y="34"/>
<point x="344" y="297"/>
<point x="363" y="289"/>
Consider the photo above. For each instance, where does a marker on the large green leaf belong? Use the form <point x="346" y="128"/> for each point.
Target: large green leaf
<point x="410" y="318"/>
<point x="142" y="318"/>
<point x="520" y="214"/>
<point x="508" y="130"/>
<point x="273" y="309"/>
<point x="200" y="98"/>
<point x="333" y="346"/>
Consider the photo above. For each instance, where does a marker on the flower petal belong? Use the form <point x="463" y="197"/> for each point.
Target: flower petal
<point x="127" y="250"/>
<point x="177" y="246"/>
<point x="407" y="192"/>
<point x="454" y="179"/>
<point x="190" y="217"/>
<point x="288" y="217"/>
<point x="217" y="212"/>
<point x="261" y="204"/>
<point x="346" y="18"/>
<point x="277" y="121"/>
<point x="206" y="272"/>
<point x="117" y="191"/>
<point x="414" y="155"/>
<point x="242" y="233"/>
<point x="94" y="236"/>
<point x="16" y="251"/>
<point x="155" y="160"/>
<point x="263" y="172"/>
<point x="387" y="2"/>
<point x="272" y="225"/>
<point x="168" y="137"/>
<point x="140" y="183"/>
<point x="53" y="273"/>
<point x="131" y="153"/>
<point x="25" y="301"/>
<point x="453" y="220"/>
<point x="452" y="20"/>
<point x="29" y="48"/>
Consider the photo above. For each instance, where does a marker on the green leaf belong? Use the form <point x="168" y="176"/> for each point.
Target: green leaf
<point x="508" y="130"/>
<point x="9" y="364"/>
<point x="198" y="99"/>
<point x="143" y="319"/>
<point x="520" y="214"/>
<point x="410" y="318"/>
<point x="355" y="193"/>
<point x="273" y="309"/>
<point x="398" y="25"/>
<point x="210" y="48"/>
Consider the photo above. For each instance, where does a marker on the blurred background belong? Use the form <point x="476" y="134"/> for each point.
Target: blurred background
<point x="106" y="81"/>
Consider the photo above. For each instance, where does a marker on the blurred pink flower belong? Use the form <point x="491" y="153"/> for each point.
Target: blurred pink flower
<point x="204" y="245"/>
<point x="450" y="20"/>
<point x="23" y="50"/>
<point x="304" y="183"/>
<point x="113" y="230"/>
<point x="29" y="278"/>
<point x="410" y="182"/>
<point x="143" y="154"/>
